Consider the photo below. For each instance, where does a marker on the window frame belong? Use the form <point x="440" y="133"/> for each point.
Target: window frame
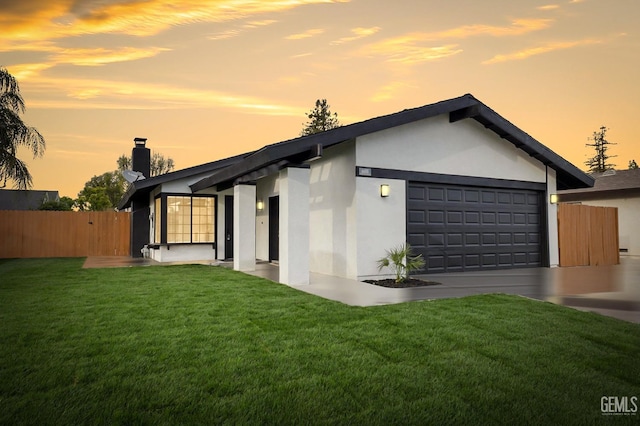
<point x="164" y="222"/>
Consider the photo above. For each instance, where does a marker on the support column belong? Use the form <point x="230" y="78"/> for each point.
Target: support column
<point x="294" y="226"/>
<point x="244" y="227"/>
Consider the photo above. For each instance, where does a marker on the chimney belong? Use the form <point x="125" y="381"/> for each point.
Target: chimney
<point x="141" y="157"/>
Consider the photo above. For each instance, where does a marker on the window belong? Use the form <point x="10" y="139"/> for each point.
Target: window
<point x="187" y="219"/>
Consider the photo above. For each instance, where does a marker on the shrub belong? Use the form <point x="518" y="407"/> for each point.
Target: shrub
<point x="401" y="261"/>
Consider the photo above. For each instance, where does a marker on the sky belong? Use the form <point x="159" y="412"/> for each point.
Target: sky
<point x="207" y="79"/>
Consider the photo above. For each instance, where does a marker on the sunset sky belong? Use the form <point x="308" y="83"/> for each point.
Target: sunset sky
<point x="206" y="79"/>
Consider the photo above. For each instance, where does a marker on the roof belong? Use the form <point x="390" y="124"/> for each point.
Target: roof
<point x="140" y="190"/>
<point x="296" y="151"/>
<point x="15" y="199"/>
<point x="609" y="183"/>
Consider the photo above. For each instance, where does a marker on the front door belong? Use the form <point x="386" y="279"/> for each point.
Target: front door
<point x="274" y="228"/>
<point x="228" y="226"/>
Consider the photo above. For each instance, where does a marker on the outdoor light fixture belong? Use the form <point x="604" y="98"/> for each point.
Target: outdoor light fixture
<point x="260" y="205"/>
<point x="553" y="198"/>
<point x="384" y="190"/>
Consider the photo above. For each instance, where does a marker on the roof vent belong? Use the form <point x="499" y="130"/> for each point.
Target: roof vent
<point x="609" y="172"/>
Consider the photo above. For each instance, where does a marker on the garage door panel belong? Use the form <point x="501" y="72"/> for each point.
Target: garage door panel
<point x="459" y="228"/>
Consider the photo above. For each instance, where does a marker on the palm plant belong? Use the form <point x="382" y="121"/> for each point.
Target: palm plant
<point x="401" y="262"/>
<point x="14" y="133"/>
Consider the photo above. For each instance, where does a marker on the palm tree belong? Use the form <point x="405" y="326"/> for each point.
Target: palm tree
<point x="14" y="133"/>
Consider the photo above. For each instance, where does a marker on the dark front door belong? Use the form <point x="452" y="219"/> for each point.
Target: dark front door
<point x="228" y="226"/>
<point x="465" y="228"/>
<point x="274" y="228"/>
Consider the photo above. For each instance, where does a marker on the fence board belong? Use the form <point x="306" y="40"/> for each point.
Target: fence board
<point x="588" y="235"/>
<point x="63" y="234"/>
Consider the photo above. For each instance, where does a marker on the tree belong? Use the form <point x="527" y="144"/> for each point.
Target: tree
<point x="159" y="164"/>
<point x="14" y="133"/>
<point x="598" y="163"/>
<point x="633" y="165"/>
<point x="64" y="204"/>
<point x="320" y="119"/>
<point x="102" y="192"/>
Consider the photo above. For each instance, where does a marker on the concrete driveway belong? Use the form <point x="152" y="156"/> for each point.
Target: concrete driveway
<point x="608" y="290"/>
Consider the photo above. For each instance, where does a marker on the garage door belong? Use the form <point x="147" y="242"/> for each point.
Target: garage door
<point x="466" y="228"/>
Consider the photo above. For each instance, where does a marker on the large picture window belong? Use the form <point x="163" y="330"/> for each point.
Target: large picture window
<point x="185" y="219"/>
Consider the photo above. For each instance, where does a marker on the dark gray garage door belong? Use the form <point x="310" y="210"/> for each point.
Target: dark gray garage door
<point x="465" y="228"/>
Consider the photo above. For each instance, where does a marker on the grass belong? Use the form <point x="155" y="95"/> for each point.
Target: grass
<point x="205" y="345"/>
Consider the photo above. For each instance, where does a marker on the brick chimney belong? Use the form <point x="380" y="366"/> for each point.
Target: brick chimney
<point x="141" y="157"/>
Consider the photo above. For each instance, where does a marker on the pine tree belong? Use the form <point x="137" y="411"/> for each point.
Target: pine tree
<point x="598" y="163"/>
<point x="320" y="119"/>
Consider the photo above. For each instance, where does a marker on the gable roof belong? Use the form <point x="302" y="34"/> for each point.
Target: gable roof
<point x="296" y="151"/>
<point x="15" y="199"/>
<point x="140" y="189"/>
<point x="609" y="183"/>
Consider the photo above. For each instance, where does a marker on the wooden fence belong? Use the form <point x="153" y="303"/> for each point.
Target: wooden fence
<point x="588" y="235"/>
<point x="63" y="234"/>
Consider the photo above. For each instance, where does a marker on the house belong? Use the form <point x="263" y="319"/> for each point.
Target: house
<point x="614" y="188"/>
<point x="15" y="199"/>
<point x="464" y="186"/>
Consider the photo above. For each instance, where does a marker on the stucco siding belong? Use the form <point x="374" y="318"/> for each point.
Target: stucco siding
<point x="332" y="215"/>
<point x="381" y="222"/>
<point x="434" y="145"/>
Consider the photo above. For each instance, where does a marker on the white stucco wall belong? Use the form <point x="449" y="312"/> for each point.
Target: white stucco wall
<point x="380" y="222"/>
<point x="244" y="227"/>
<point x="220" y="231"/>
<point x="552" y="219"/>
<point x="332" y="212"/>
<point x="434" y="145"/>
<point x="184" y="253"/>
<point x="294" y="226"/>
<point x="628" y="222"/>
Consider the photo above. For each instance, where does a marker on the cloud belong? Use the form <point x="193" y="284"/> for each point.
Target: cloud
<point x="24" y="71"/>
<point x="237" y="31"/>
<point x="358" y="33"/>
<point x="517" y="27"/>
<point x="410" y="48"/>
<point x="47" y="20"/>
<point x="102" y="56"/>
<point x="549" y="7"/>
<point x="550" y="47"/>
<point x="306" y="34"/>
<point x="111" y="94"/>
<point x="263" y="23"/>
<point x="389" y="91"/>
<point x="407" y="49"/>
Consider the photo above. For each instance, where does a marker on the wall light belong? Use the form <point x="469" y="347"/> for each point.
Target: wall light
<point x="553" y="198"/>
<point x="260" y="205"/>
<point x="384" y="190"/>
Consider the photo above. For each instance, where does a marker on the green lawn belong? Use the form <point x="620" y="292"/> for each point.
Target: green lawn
<point x="205" y="345"/>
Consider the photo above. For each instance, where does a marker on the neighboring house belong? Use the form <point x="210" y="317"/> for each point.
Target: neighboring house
<point x="615" y="188"/>
<point x="464" y="186"/>
<point x="14" y="199"/>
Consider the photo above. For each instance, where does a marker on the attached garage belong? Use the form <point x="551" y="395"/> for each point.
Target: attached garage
<point x="469" y="228"/>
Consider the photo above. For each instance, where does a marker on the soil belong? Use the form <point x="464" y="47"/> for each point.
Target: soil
<point x="411" y="282"/>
